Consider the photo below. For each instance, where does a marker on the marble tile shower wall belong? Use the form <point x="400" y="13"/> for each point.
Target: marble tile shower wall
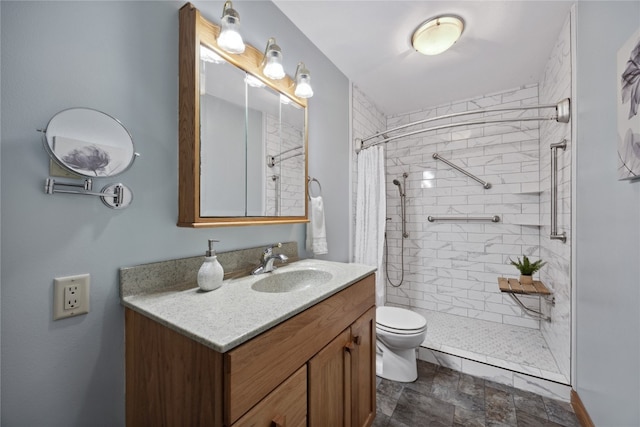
<point x="285" y="191"/>
<point x="555" y="84"/>
<point x="366" y="120"/>
<point x="453" y="266"/>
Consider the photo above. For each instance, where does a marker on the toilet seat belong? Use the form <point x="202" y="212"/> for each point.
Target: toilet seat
<point x="400" y="331"/>
<point x="399" y="321"/>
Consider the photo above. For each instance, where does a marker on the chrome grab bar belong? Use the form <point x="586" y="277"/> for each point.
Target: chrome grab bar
<point x="554" y="192"/>
<point x="485" y="184"/>
<point x="494" y="218"/>
<point x="274" y="160"/>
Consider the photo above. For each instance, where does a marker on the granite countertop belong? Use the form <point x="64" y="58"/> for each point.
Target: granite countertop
<point x="234" y="313"/>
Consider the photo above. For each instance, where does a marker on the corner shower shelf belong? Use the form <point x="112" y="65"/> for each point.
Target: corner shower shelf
<point x="529" y="193"/>
<point x="531" y="220"/>
<point x="528" y="224"/>
<point x="513" y="287"/>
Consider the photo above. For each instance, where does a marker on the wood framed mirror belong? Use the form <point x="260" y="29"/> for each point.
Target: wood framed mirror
<point x="242" y="136"/>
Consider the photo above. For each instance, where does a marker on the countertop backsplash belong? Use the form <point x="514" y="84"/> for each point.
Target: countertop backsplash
<point x="183" y="272"/>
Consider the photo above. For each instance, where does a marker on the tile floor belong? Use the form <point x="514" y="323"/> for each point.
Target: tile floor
<point x="511" y="347"/>
<point x="444" y="397"/>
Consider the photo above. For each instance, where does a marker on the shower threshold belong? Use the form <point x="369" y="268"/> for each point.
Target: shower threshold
<point x="513" y="348"/>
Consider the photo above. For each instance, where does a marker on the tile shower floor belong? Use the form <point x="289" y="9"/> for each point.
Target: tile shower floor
<point x="510" y="347"/>
<point x="444" y="397"/>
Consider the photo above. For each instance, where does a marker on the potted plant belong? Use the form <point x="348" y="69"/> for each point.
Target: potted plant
<point x="527" y="268"/>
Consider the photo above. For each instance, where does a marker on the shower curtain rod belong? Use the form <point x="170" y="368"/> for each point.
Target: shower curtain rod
<point x="563" y="114"/>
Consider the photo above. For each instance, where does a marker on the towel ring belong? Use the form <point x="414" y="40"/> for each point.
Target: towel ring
<point x="312" y="180"/>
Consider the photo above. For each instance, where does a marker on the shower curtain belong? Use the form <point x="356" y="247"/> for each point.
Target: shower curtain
<point x="371" y="212"/>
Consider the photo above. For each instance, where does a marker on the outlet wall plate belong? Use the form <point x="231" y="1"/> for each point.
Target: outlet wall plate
<point x="70" y="296"/>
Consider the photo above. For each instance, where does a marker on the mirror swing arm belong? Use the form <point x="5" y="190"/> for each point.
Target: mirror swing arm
<point x="195" y="31"/>
<point x="115" y="196"/>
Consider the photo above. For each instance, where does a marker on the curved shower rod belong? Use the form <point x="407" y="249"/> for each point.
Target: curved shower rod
<point x="563" y="114"/>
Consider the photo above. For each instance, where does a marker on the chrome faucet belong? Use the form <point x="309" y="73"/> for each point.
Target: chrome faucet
<point x="267" y="259"/>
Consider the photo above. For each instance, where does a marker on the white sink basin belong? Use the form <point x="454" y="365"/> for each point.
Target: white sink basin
<point x="292" y="280"/>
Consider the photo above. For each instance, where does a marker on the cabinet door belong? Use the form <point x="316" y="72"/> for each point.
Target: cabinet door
<point x="328" y="390"/>
<point x="285" y="406"/>
<point x="363" y="369"/>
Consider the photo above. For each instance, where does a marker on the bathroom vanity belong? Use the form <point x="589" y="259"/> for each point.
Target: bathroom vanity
<point x="238" y="356"/>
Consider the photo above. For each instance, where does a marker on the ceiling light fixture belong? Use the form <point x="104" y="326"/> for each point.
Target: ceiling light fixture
<point x="230" y="38"/>
<point x="438" y="34"/>
<point x="303" y="82"/>
<point x="272" y="62"/>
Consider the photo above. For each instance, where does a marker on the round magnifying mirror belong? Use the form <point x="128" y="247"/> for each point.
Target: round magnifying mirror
<point x="89" y="143"/>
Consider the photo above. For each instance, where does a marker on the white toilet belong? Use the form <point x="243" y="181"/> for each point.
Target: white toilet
<point x="399" y="332"/>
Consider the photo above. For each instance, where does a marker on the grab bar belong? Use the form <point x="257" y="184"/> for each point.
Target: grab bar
<point x="272" y="160"/>
<point x="485" y="184"/>
<point x="287" y="151"/>
<point x="494" y="218"/>
<point x="554" y="192"/>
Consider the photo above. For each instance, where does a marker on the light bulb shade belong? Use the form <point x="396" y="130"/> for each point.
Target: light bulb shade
<point x="272" y="63"/>
<point x="437" y="35"/>
<point x="230" y="39"/>
<point x="303" y="82"/>
<point x="304" y="90"/>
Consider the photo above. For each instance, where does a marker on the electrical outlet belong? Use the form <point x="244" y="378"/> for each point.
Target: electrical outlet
<point x="70" y="296"/>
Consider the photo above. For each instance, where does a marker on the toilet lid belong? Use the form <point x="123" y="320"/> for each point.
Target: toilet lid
<point x="399" y="319"/>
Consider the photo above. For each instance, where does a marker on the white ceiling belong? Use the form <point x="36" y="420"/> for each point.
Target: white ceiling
<point x="505" y="45"/>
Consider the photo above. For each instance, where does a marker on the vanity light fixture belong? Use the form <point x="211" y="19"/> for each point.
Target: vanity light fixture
<point x="438" y="34"/>
<point x="303" y="81"/>
<point x="272" y="62"/>
<point x="230" y="39"/>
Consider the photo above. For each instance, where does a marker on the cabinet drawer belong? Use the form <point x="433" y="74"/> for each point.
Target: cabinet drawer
<point x="256" y="367"/>
<point x="284" y="406"/>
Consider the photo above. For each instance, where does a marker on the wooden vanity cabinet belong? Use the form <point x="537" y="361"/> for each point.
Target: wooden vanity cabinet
<point x="315" y="367"/>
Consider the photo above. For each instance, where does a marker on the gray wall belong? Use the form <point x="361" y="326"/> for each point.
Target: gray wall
<point x="119" y="57"/>
<point x="608" y="226"/>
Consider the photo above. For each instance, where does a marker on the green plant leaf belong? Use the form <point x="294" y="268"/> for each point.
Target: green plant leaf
<point x="526" y="267"/>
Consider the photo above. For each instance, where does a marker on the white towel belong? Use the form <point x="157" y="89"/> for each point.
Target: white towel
<point x="316" y="232"/>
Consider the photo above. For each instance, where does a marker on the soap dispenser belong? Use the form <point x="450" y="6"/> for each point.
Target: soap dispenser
<point x="211" y="273"/>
